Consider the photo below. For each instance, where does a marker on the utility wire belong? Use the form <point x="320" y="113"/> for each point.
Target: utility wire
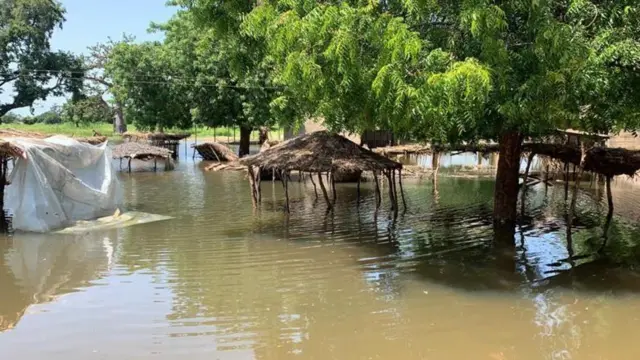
<point x="167" y="79"/>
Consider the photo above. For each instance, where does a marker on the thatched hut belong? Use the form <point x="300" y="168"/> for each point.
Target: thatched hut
<point x="144" y="152"/>
<point x="158" y="139"/>
<point x="213" y="151"/>
<point x="322" y="152"/>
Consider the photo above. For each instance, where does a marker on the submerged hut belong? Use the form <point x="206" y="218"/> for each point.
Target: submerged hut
<point x="321" y="153"/>
<point x="213" y="151"/>
<point x="167" y="141"/>
<point x="144" y="152"/>
<point x="12" y="147"/>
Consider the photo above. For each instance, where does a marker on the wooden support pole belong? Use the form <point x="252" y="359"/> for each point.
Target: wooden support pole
<point x="387" y="174"/>
<point x="120" y="163"/>
<point x="378" y="195"/>
<point x="286" y="193"/>
<point x="404" y="202"/>
<point x="607" y="223"/>
<point x="324" y="192"/>
<point x="257" y="183"/>
<point x="394" y="188"/>
<point x="566" y="181"/>
<point x="155" y="164"/>
<point x="129" y="165"/>
<point x="333" y="187"/>
<point x="525" y="179"/>
<point x="4" y="223"/>
<point x="358" y="191"/>
<point x="252" y="179"/>
<point x="574" y="197"/>
<point x="315" y="189"/>
<point x="609" y="196"/>
<point x="435" y="166"/>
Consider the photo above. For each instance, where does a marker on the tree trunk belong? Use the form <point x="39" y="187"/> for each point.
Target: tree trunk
<point x="245" y="141"/>
<point x="264" y="135"/>
<point x="159" y="128"/>
<point x="506" y="190"/>
<point x="119" y="124"/>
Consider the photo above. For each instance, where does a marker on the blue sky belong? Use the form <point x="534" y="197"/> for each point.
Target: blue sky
<point x="92" y="21"/>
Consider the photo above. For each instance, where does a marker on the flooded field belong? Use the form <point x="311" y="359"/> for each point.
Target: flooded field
<point x="220" y="281"/>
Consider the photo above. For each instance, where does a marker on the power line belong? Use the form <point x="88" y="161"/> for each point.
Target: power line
<point x="194" y="81"/>
<point x="171" y="80"/>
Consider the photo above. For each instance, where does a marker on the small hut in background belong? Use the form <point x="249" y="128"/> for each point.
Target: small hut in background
<point x="213" y="151"/>
<point x="319" y="153"/>
<point x="166" y="141"/>
<point x="144" y="152"/>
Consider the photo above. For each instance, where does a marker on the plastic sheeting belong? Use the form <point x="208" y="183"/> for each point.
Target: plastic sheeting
<point x="60" y="181"/>
<point x="117" y="221"/>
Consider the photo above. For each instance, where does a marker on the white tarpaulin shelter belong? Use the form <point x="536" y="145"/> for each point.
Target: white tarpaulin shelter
<point x="59" y="181"/>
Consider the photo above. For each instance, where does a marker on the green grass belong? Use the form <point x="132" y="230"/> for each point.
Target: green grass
<point x="107" y="130"/>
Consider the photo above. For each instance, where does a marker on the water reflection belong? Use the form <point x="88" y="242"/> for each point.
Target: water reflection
<point x="224" y="281"/>
<point x="36" y="269"/>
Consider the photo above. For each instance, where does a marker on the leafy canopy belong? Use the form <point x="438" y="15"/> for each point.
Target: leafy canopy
<point x="27" y="64"/>
<point x="453" y="70"/>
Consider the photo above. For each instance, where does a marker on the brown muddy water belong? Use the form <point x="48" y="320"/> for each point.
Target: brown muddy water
<point x="222" y="282"/>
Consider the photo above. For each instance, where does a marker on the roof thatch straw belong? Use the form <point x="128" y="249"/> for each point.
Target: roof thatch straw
<point x="7" y="149"/>
<point x="133" y="136"/>
<point x="134" y="150"/>
<point x="13" y="133"/>
<point x="214" y="151"/>
<point x="320" y="151"/>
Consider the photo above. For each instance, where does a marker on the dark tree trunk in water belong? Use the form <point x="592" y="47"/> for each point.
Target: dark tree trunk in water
<point x="506" y="191"/>
<point x="245" y="141"/>
<point x="119" y="124"/>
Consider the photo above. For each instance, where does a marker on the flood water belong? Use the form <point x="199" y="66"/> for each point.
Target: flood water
<point x="221" y="281"/>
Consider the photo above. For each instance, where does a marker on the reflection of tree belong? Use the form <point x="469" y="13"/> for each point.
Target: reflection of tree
<point x="36" y="268"/>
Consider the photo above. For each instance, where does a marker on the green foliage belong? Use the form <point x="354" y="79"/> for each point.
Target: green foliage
<point x="26" y="61"/>
<point x="144" y="81"/>
<point x="87" y="110"/>
<point x="454" y="71"/>
<point x="10" y="118"/>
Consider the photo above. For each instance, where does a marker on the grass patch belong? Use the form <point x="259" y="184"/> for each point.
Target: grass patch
<point x="69" y="129"/>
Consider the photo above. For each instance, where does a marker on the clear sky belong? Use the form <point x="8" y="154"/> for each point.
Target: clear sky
<point x="93" y="21"/>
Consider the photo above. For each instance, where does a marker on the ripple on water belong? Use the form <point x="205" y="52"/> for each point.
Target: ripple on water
<point x="224" y="281"/>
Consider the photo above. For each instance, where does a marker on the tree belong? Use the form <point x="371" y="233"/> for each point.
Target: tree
<point x="144" y="79"/>
<point x="232" y="77"/>
<point x="95" y="66"/>
<point x="26" y="60"/>
<point x="86" y="110"/>
<point x="457" y="71"/>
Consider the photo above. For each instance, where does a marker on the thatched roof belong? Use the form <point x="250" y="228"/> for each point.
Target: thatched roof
<point x="8" y="134"/>
<point x="136" y="150"/>
<point x="214" y="151"/>
<point x="154" y="136"/>
<point x="8" y="149"/>
<point x="320" y="151"/>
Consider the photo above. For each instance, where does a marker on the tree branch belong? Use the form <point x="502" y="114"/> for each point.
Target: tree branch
<point x="99" y="80"/>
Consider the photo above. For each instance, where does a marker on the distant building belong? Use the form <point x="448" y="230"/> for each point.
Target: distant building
<point x="624" y="140"/>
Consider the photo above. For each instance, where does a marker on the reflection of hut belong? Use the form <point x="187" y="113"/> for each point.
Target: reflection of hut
<point x="134" y="150"/>
<point x="167" y="141"/>
<point x="322" y="152"/>
<point x="213" y="151"/>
